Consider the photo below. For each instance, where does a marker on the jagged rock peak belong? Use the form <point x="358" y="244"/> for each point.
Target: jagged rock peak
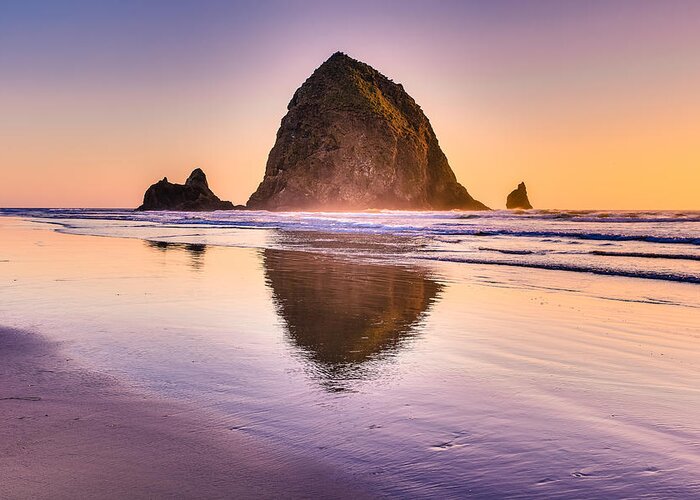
<point x="197" y="178"/>
<point x="518" y="198"/>
<point x="193" y="195"/>
<point x="352" y="139"/>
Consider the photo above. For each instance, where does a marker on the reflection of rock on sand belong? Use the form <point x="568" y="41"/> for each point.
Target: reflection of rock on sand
<point x="195" y="250"/>
<point x="340" y="313"/>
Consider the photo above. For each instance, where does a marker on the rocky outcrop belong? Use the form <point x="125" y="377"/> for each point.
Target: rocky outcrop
<point x="518" y="198"/>
<point x="352" y="139"/>
<point x="193" y="195"/>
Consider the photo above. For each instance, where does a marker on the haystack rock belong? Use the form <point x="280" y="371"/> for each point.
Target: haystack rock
<point x="352" y="139"/>
<point x="518" y="198"/>
<point x="193" y="195"/>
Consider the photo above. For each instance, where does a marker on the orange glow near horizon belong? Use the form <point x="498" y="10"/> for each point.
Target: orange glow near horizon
<point x="593" y="107"/>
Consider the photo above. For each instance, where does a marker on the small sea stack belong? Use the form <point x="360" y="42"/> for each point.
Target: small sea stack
<point x="518" y="198"/>
<point x="193" y="195"/>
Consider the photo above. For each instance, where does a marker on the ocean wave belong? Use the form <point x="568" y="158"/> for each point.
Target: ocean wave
<point x="645" y="255"/>
<point x="644" y="274"/>
<point x="417" y="223"/>
<point x="663" y="250"/>
<point x="575" y="235"/>
<point x="410" y="223"/>
<point x="507" y="251"/>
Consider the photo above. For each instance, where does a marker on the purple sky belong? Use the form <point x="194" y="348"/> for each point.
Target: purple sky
<point x="594" y="104"/>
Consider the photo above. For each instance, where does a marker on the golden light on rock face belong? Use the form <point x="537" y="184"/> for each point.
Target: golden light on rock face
<point x="594" y="106"/>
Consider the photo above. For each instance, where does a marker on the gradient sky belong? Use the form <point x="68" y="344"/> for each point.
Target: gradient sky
<point x="595" y="104"/>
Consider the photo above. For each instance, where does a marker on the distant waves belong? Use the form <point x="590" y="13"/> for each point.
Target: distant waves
<point x="661" y="245"/>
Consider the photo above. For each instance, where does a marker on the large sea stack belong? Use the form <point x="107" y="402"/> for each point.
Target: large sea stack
<point x="518" y="198"/>
<point x="193" y="195"/>
<point x="352" y="139"/>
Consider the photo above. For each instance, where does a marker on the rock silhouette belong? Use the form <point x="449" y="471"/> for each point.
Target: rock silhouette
<point x="352" y="139"/>
<point x="518" y="198"/>
<point x="193" y="195"/>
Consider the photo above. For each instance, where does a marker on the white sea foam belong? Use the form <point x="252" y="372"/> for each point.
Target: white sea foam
<point x="661" y="245"/>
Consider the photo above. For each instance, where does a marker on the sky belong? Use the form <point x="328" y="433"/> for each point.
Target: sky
<point x="594" y="104"/>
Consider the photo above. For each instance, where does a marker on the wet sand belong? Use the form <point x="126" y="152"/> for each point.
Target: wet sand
<point x="319" y="370"/>
<point x="73" y="433"/>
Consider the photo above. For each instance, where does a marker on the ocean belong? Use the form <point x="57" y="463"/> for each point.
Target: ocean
<point x="663" y="245"/>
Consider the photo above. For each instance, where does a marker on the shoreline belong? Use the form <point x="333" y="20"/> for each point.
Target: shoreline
<point x="233" y="369"/>
<point x="76" y="432"/>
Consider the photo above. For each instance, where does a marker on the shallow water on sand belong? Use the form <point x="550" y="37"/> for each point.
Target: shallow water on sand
<point x="661" y="245"/>
<point x="424" y="376"/>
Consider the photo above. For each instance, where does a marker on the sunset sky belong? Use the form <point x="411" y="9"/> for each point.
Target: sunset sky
<point x="594" y="104"/>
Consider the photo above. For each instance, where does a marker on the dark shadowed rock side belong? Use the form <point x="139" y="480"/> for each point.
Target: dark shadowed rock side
<point x="518" y="198"/>
<point x="352" y="139"/>
<point x="193" y="195"/>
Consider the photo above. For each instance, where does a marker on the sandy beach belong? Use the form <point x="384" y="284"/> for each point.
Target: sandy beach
<point x="70" y="432"/>
<point x="183" y="359"/>
<point x="349" y="249"/>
